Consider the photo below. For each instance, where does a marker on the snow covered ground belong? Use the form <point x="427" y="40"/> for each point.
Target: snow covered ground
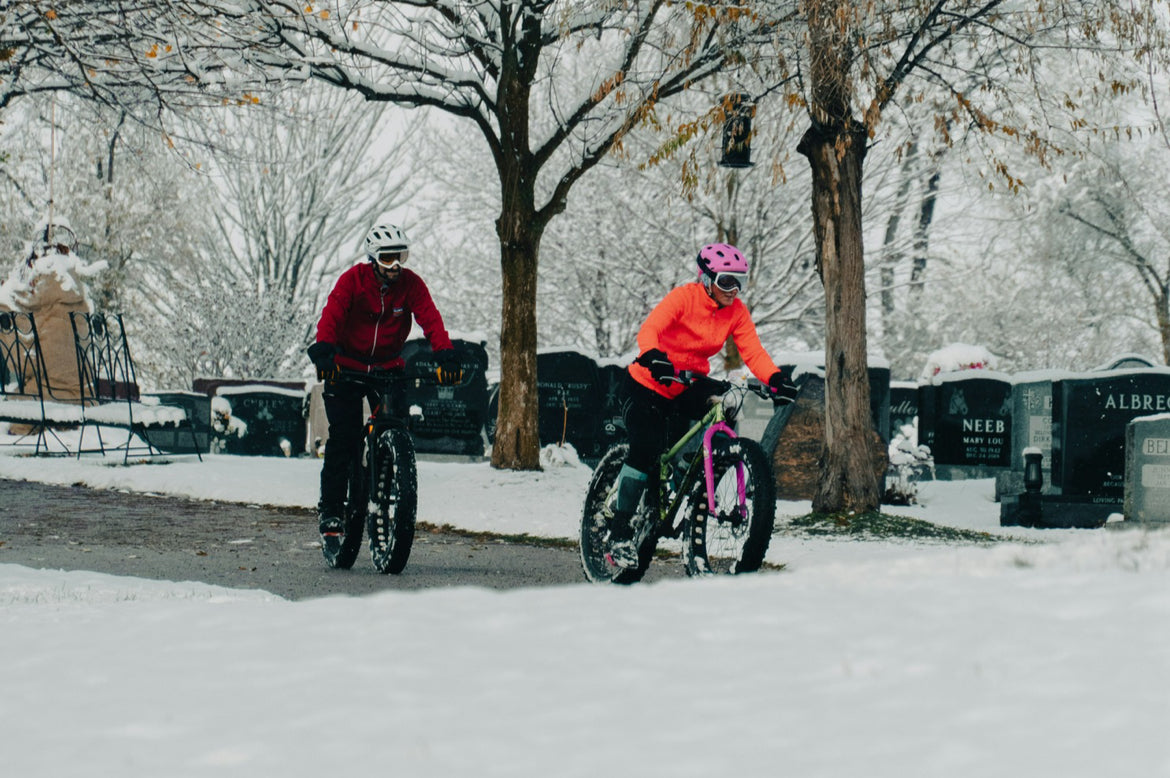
<point x="859" y="659"/>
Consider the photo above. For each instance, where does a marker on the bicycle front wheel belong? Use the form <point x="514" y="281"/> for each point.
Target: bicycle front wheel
<point x="595" y="525"/>
<point x="393" y="502"/>
<point x="725" y="536"/>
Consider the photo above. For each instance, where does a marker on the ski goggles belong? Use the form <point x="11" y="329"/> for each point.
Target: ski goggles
<point x="731" y="282"/>
<point x="391" y="260"/>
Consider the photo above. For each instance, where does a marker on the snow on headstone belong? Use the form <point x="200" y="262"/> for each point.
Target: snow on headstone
<point x="957" y="357"/>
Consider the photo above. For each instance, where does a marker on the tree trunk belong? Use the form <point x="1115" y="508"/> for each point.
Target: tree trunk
<point x="517" y="443"/>
<point x="847" y="479"/>
<point x="520" y="229"/>
<point x="1162" y="307"/>
<point x="891" y="255"/>
<point x="732" y="359"/>
<point x="922" y="234"/>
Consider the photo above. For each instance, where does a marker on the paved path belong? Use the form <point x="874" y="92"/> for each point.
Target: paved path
<point x="249" y="547"/>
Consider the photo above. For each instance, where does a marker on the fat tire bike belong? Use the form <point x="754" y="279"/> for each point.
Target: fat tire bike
<point x="382" y="494"/>
<point x="714" y="491"/>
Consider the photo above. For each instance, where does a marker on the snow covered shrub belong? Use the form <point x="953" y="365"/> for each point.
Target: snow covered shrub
<point x="553" y="455"/>
<point x="224" y="425"/>
<point x="909" y="462"/>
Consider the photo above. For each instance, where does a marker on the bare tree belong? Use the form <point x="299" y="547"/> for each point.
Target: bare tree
<point x="552" y="87"/>
<point x="140" y="56"/>
<point x="629" y="234"/>
<point x="131" y="201"/>
<point x="1115" y="207"/>
<point x="857" y="61"/>
<point x="301" y="178"/>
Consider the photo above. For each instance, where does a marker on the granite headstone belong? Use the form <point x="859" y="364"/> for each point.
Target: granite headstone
<point x="275" y="419"/>
<point x="1089" y="417"/>
<point x="453" y="417"/>
<point x="972" y="422"/>
<point x="1147" y="470"/>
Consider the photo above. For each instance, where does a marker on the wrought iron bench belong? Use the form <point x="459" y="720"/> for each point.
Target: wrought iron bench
<point x="25" y="395"/>
<point x="109" y="389"/>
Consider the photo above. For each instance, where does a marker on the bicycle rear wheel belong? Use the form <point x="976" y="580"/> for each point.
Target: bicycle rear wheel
<point x="393" y="502"/>
<point x="355" y="513"/>
<point x="723" y="538"/>
<point x="595" y="525"/>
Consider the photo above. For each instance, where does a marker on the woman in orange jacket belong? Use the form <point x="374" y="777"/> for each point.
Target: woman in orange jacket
<point x="683" y="332"/>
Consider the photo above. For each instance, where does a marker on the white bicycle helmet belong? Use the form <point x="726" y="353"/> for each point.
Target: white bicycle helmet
<point x="385" y="237"/>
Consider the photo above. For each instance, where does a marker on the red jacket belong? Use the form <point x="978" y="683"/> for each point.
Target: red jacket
<point x="691" y="328"/>
<point x="369" y="322"/>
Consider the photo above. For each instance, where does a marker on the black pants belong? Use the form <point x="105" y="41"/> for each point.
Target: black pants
<point x="654" y="422"/>
<point x="343" y="409"/>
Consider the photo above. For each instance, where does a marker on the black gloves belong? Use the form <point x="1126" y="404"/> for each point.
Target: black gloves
<point x="322" y="355"/>
<point x="783" y="389"/>
<point x="660" y="367"/>
<point x="449" y="370"/>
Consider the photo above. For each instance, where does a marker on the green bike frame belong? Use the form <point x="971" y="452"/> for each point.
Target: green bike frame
<point x="710" y="425"/>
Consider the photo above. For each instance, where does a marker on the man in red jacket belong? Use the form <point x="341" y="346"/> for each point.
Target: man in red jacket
<point x="687" y="328"/>
<point x="364" y="325"/>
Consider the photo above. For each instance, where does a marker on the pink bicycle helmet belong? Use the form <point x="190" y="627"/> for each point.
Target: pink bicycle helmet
<point x="723" y="264"/>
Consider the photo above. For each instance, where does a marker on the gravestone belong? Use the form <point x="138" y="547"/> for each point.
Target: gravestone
<point x="569" y="395"/>
<point x="1089" y="417"/>
<point x="1031" y="429"/>
<point x="1127" y="362"/>
<point x="754" y="417"/>
<point x="578" y="402"/>
<point x="879" y="399"/>
<point x="275" y="419"/>
<point x="927" y="405"/>
<point x="1032" y="413"/>
<point x="903" y="405"/>
<point x="318" y="429"/>
<point x="453" y="417"/>
<point x="879" y="387"/>
<point x="971" y="421"/>
<point x="612" y="379"/>
<point x="796" y="436"/>
<point x="1147" y="470"/>
<point x="177" y="440"/>
<point x="210" y="386"/>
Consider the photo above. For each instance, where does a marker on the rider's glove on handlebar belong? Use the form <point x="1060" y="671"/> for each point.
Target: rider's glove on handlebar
<point x="322" y="355"/>
<point x="783" y="389"/>
<point x="660" y="367"/>
<point x="449" y="370"/>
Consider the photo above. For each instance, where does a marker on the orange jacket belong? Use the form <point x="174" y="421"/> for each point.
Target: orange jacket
<point x="690" y="328"/>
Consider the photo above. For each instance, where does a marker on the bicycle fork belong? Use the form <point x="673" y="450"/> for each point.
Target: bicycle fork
<point x="709" y="466"/>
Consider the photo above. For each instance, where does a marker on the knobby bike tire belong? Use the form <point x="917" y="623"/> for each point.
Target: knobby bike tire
<point x="355" y="514"/>
<point x="595" y="528"/>
<point x="393" y="501"/>
<point x="717" y="539"/>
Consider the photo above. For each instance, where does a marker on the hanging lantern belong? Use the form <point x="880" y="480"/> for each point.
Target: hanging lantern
<point x="737" y="130"/>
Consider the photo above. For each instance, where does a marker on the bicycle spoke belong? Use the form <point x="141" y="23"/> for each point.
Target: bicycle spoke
<point x="729" y="536"/>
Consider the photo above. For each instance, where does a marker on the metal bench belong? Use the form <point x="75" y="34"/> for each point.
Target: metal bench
<point x="109" y="389"/>
<point x="25" y="397"/>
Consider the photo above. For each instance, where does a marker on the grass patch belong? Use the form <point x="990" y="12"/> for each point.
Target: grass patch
<point x="480" y="536"/>
<point x="874" y="525"/>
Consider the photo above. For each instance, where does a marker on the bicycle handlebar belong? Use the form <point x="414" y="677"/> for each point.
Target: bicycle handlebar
<point x="755" y="386"/>
<point x="378" y="378"/>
